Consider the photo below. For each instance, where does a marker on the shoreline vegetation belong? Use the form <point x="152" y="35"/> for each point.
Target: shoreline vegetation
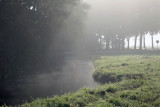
<point x="126" y="81"/>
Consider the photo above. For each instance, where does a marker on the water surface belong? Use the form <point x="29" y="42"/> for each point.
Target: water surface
<point x="76" y="73"/>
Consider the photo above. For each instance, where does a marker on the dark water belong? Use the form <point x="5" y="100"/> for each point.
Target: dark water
<point x="76" y="73"/>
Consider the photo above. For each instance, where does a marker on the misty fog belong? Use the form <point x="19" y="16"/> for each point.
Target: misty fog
<point x="76" y="73"/>
<point x="101" y="11"/>
<point x="48" y="48"/>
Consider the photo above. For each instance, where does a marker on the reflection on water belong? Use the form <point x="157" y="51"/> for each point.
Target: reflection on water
<point x="75" y="74"/>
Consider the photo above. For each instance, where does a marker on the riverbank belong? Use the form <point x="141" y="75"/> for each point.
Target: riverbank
<point x="74" y="74"/>
<point x="134" y="82"/>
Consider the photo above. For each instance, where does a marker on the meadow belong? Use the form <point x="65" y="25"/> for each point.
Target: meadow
<point x="125" y="81"/>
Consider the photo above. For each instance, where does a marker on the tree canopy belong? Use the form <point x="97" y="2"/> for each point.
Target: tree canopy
<point x="34" y="32"/>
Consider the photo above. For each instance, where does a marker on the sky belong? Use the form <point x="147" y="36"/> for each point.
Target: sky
<point x="96" y="14"/>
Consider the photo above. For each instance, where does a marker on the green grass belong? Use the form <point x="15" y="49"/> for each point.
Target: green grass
<point x="134" y="81"/>
<point x="117" y="68"/>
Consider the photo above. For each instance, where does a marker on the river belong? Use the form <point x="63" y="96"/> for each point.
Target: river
<point x="76" y="73"/>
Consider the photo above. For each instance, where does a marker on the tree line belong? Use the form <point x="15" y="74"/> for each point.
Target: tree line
<point x="123" y="19"/>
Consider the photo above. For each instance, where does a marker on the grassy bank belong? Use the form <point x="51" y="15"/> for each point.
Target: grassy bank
<point x="135" y="80"/>
<point x="131" y="81"/>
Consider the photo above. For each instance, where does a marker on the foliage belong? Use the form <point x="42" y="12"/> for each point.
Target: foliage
<point x="29" y="32"/>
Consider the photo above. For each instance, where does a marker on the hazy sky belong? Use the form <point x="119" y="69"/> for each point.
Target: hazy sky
<point x="97" y="13"/>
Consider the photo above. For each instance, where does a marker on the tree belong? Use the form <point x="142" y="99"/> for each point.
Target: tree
<point x="152" y="41"/>
<point x="128" y="18"/>
<point x="144" y="42"/>
<point x="128" y="40"/>
<point x="28" y="29"/>
<point x="135" y="43"/>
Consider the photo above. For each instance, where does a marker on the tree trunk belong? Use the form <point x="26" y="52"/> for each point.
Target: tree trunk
<point x="113" y="44"/>
<point x="107" y="44"/>
<point x="152" y="42"/>
<point x="119" y="44"/>
<point x="140" y="43"/>
<point x="144" y="42"/>
<point x="135" y="42"/>
<point x="128" y="40"/>
<point x="122" y="43"/>
<point x="100" y="41"/>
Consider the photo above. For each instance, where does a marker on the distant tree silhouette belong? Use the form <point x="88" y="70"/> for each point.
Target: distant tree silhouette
<point x="132" y="18"/>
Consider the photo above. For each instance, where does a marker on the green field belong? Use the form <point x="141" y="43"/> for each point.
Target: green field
<point x="126" y="81"/>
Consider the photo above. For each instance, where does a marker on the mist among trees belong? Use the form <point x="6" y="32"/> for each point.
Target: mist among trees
<point x="39" y="35"/>
<point x="120" y="20"/>
<point x="34" y="33"/>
